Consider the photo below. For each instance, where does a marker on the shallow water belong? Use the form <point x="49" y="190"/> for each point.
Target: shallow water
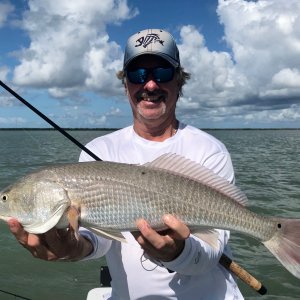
<point x="267" y="169"/>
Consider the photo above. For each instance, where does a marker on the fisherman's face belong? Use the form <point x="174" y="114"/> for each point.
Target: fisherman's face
<point x="152" y="100"/>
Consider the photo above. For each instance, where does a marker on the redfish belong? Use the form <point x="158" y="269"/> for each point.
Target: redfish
<point x="109" y="197"/>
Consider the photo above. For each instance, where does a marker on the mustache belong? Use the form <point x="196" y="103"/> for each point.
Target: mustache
<point x="159" y="95"/>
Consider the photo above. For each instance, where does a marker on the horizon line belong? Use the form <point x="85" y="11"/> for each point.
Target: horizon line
<point x="116" y="128"/>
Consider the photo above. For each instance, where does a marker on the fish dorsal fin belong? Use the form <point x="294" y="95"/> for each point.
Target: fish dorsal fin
<point x="180" y="165"/>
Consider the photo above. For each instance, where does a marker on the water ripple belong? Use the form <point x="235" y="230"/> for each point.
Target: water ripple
<point x="267" y="169"/>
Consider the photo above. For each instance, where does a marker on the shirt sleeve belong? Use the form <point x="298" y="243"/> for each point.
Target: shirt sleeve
<point x="197" y="256"/>
<point x="100" y="244"/>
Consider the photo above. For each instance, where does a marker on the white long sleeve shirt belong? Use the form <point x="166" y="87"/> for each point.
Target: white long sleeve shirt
<point x="197" y="273"/>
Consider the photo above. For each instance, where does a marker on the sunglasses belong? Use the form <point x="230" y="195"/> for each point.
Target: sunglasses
<point x="159" y="74"/>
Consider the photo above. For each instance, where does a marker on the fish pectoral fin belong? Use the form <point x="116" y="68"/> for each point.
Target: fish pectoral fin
<point x="73" y="216"/>
<point x="112" y="235"/>
<point x="210" y="236"/>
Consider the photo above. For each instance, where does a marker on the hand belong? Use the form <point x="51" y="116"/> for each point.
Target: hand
<point x="56" y="244"/>
<point x="164" y="245"/>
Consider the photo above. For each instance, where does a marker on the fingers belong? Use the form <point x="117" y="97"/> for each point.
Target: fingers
<point x="18" y="231"/>
<point x="179" y="230"/>
<point x="176" y="229"/>
<point x="26" y="239"/>
<point x="35" y="244"/>
<point x="29" y="241"/>
<point x="151" y="237"/>
<point x="151" y="242"/>
<point x="56" y="244"/>
<point x="165" y="245"/>
<point x="148" y="234"/>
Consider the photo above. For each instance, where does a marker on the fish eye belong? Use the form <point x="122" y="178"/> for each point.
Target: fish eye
<point x="4" y="198"/>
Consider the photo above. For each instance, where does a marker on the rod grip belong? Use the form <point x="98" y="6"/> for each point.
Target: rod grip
<point x="241" y="273"/>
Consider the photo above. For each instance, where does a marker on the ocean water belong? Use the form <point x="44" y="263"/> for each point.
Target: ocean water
<point x="267" y="168"/>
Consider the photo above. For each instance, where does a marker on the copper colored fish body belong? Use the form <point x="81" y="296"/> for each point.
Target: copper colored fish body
<point x="109" y="197"/>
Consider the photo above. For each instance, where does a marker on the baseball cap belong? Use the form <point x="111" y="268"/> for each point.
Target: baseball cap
<point x="152" y="41"/>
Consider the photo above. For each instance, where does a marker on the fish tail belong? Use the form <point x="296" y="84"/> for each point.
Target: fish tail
<point x="285" y="244"/>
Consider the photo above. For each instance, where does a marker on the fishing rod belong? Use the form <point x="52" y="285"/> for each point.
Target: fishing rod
<point x="62" y="131"/>
<point x="225" y="261"/>
<point x="14" y="295"/>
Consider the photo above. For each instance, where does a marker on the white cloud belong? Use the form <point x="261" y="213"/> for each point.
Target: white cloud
<point x="264" y="36"/>
<point x="96" y="121"/>
<point x="6" y="122"/>
<point x="69" y="48"/>
<point x="261" y="74"/>
<point x="286" y="78"/>
<point x="114" y="111"/>
<point x="288" y="114"/>
<point x="70" y="52"/>
<point x="3" y="72"/>
<point x="5" y="10"/>
<point x="6" y="100"/>
<point x="215" y="80"/>
<point x="101" y="120"/>
<point x="101" y="64"/>
<point x="78" y="116"/>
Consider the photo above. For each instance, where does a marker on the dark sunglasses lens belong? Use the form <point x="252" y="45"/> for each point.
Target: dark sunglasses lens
<point x="137" y="76"/>
<point x="159" y="74"/>
<point x="163" y="74"/>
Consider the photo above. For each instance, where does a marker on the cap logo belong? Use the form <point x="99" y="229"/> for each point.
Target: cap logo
<point x="148" y="39"/>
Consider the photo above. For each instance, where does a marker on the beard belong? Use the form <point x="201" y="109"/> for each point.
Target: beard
<point x="151" y="113"/>
<point x="151" y="105"/>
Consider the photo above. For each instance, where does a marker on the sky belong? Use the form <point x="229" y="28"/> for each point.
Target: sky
<point x="62" y="56"/>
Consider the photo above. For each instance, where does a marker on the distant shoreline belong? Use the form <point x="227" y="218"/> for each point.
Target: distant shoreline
<point x="113" y="129"/>
<point x="67" y="129"/>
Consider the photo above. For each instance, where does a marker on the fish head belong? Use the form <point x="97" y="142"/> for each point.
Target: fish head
<point x="15" y="201"/>
<point x="37" y="202"/>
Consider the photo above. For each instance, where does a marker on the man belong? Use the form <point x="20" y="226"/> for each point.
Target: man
<point x="173" y="264"/>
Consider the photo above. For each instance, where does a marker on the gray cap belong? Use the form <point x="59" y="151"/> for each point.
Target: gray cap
<point x="152" y="41"/>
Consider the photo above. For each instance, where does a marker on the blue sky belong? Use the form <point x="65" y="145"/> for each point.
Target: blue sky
<point x="62" y="57"/>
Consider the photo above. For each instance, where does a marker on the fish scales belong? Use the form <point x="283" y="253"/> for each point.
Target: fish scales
<point x="115" y="195"/>
<point x="109" y="197"/>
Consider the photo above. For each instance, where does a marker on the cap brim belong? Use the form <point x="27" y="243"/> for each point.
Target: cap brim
<point x="173" y="62"/>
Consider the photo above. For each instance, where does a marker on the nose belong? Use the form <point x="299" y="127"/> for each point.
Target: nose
<point x="151" y="85"/>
